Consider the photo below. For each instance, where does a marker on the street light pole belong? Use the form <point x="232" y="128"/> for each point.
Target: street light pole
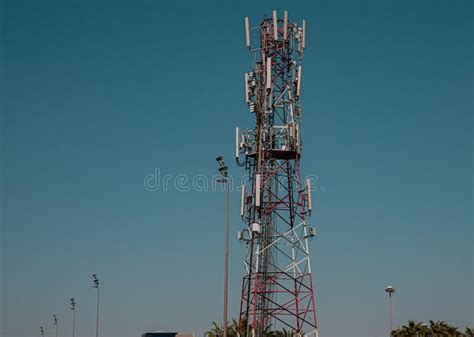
<point x="73" y="308"/>
<point x="97" y="319"/>
<point x="390" y="290"/>
<point x="223" y="170"/>
<point x="96" y="285"/>
<point x="226" y="254"/>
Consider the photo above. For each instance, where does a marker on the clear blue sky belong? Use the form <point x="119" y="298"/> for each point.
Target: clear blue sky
<point x="96" y="96"/>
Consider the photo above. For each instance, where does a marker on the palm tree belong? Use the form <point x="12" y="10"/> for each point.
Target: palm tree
<point x="281" y="333"/>
<point x="442" y="329"/>
<point x="233" y="328"/>
<point x="424" y="331"/>
<point x="413" y="328"/>
<point x="397" y="333"/>
<point x="453" y="331"/>
<point x="437" y="328"/>
<point x="216" y="331"/>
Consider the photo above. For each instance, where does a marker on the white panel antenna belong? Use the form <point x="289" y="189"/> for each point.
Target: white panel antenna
<point x="247" y="32"/>
<point x="285" y="26"/>
<point x="303" y="43"/>
<point x="269" y="73"/>
<point x="275" y="25"/>
<point x="297" y="136"/>
<point x="257" y="190"/>
<point x="237" y="143"/>
<point x="247" y="98"/>
<point x="298" y="84"/>
<point x="242" y="205"/>
<point x="308" y="193"/>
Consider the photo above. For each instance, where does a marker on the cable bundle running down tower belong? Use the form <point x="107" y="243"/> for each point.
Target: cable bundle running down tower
<point x="277" y="289"/>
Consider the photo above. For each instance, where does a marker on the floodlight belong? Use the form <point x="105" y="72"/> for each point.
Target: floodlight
<point x="96" y="281"/>
<point x="390" y="289"/>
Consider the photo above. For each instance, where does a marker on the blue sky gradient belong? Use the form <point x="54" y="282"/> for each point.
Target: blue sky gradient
<point x="97" y="95"/>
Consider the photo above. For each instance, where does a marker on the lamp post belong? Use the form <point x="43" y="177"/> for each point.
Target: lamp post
<point x="41" y="331"/>
<point x="390" y="290"/>
<point x="73" y="308"/>
<point x="223" y="170"/>
<point x="96" y="285"/>
<point x="55" y="322"/>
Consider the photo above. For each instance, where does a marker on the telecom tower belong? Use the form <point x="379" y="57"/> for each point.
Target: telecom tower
<point x="277" y="289"/>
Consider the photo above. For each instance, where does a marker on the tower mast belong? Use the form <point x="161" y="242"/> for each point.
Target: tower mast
<point x="277" y="290"/>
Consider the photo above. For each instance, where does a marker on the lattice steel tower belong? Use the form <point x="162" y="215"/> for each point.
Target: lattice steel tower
<point x="277" y="290"/>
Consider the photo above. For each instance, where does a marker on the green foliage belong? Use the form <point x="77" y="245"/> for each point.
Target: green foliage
<point x="218" y="330"/>
<point x="412" y="329"/>
<point x="233" y="328"/>
<point x="435" y="329"/>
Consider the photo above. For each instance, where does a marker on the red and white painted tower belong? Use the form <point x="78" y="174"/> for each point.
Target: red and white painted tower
<point x="277" y="287"/>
